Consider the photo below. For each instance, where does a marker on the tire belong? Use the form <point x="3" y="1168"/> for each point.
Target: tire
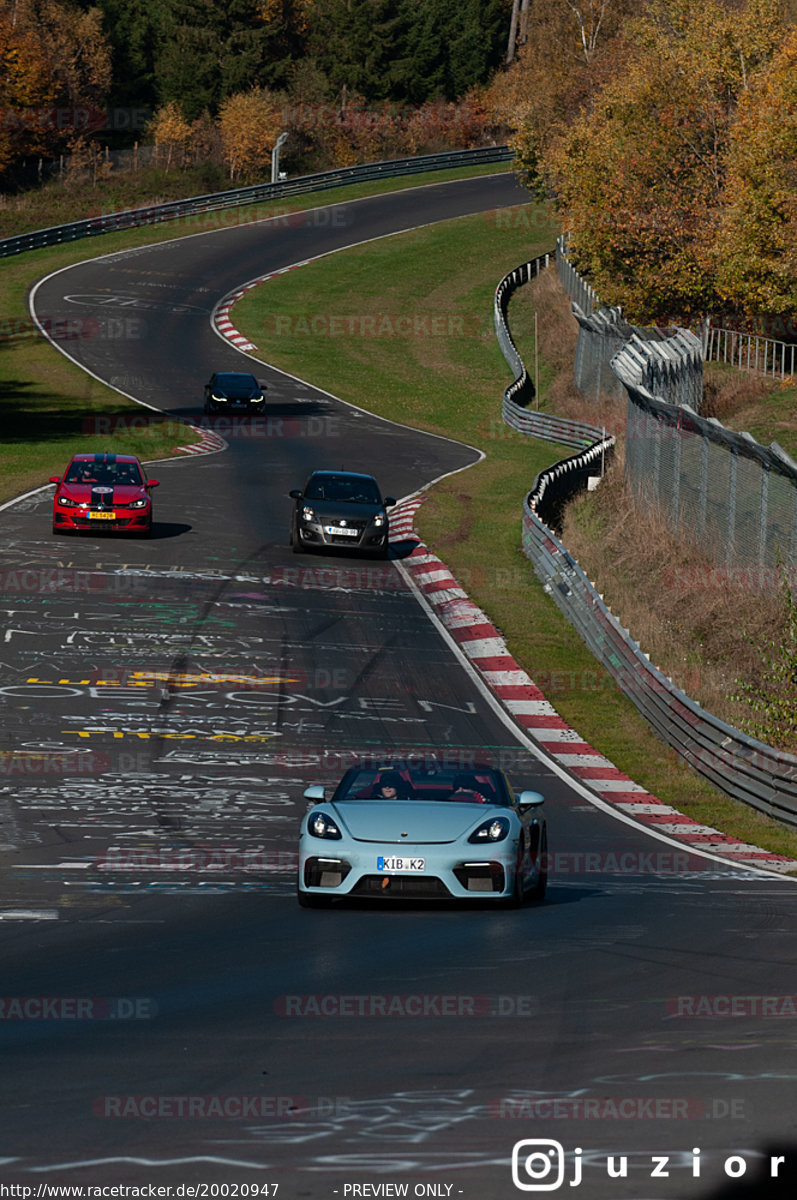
<point x="537" y="893"/>
<point x="294" y="540"/>
<point x="518" y="897"/>
<point x="310" y="900"/>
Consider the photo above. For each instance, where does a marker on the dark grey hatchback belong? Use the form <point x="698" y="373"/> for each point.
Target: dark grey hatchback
<point x="340" y="509"/>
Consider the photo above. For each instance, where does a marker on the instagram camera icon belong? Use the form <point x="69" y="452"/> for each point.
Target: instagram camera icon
<point x="534" y="1160"/>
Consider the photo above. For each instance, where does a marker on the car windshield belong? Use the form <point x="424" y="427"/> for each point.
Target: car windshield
<point x="477" y="785"/>
<point x="119" y="474"/>
<point x="235" y="381"/>
<point x="351" y="489"/>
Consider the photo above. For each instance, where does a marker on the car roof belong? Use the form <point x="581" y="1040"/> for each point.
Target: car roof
<point x="399" y="764"/>
<point x="326" y="472"/>
<point x="104" y="456"/>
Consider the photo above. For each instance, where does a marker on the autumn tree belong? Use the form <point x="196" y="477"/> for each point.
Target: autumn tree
<point x="80" y="56"/>
<point x="249" y="124"/>
<point x="55" y="79"/>
<point x="170" y="135"/>
<point x="756" y="249"/>
<point x="27" y="91"/>
<point x="570" y="49"/>
<point x="640" y="177"/>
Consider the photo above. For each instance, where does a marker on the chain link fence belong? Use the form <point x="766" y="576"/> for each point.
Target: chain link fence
<point x="738" y="498"/>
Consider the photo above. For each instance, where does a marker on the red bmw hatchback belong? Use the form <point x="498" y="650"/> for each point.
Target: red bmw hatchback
<point x="107" y="491"/>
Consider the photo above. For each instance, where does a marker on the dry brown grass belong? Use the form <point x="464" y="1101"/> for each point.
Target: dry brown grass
<point x="728" y="393"/>
<point x="558" y="334"/>
<point x="699" y="624"/>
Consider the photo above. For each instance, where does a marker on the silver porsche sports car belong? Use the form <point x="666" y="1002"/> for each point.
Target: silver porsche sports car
<point x="403" y="831"/>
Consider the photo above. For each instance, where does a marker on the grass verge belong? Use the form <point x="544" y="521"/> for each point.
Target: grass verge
<point x="451" y="384"/>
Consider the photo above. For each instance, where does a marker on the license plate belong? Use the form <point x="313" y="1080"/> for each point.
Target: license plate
<point x="400" y="866"/>
<point x="338" y="531"/>
<point x="102" y="516"/>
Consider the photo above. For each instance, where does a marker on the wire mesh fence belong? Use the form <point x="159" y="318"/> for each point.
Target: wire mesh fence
<point x="735" y="496"/>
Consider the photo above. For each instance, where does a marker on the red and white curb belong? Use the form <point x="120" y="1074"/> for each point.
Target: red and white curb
<point x="209" y="442"/>
<point x="220" y="318"/>
<point x="486" y="650"/>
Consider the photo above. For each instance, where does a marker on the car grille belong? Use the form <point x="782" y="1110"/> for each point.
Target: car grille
<point x="339" y="539"/>
<point x="117" y="523"/>
<point x="402" y="887"/>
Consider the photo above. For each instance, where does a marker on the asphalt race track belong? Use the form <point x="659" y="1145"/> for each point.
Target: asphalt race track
<point x="171" y="1017"/>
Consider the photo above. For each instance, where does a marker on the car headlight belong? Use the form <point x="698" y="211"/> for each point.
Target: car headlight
<point x="307" y="513"/>
<point x="494" y="830"/>
<point x="379" y="519"/>
<point x="321" y="825"/>
<point x="67" y="503"/>
<point x="215" y="397"/>
<point x="256" y="399"/>
<point x="142" y="503"/>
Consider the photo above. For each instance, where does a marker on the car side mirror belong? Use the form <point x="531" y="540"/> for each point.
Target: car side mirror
<point x="153" y="483"/>
<point x="295" y="494"/>
<point x="388" y="501"/>
<point x="528" y="800"/>
<point x="314" y="793"/>
<point x="55" y="479"/>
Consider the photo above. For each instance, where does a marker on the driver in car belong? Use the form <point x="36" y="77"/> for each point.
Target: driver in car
<point x="391" y="786"/>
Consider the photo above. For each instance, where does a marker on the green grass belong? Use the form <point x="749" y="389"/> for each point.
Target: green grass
<point x="47" y="403"/>
<point x="452" y="385"/>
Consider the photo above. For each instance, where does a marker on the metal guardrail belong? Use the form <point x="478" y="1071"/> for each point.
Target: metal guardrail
<point x="749" y="352"/>
<point x="739" y="765"/>
<point x="155" y="214"/>
<point x="532" y="422"/>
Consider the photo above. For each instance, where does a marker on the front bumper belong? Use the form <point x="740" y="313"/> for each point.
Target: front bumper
<point x="349" y="869"/>
<point x="123" y="521"/>
<point x="233" y="406"/>
<point x="369" y="538"/>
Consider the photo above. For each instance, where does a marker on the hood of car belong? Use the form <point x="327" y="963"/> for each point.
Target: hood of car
<point x="411" y="821"/>
<point x="346" y="510"/>
<point x="237" y="391"/>
<point x="102" y="493"/>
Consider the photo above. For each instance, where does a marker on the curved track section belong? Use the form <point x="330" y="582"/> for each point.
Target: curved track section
<point x="172" y="1017"/>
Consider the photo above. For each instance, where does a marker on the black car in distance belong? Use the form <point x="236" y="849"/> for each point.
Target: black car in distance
<point x="233" y="391"/>
<point x="338" y="509"/>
